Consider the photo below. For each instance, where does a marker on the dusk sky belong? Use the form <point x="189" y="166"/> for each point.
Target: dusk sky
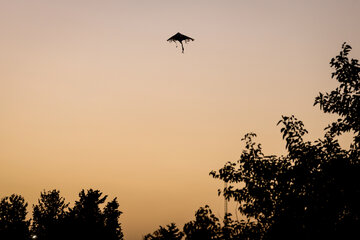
<point x="93" y="96"/>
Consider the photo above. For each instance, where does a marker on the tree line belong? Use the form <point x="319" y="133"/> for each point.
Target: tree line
<point x="52" y="218"/>
<point x="312" y="192"/>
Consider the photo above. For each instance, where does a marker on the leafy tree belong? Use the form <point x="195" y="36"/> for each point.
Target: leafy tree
<point x="53" y="219"/>
<point x="314" y="191"/>
<point x="13" y="223"/>
<point x="206" y="226"/>
<point x="49" y="216"/>
<point x="345" y="99"/>
<point x="112" y="225"/>
<point x="86" y="220"/>
<point x="170" y="232"/>
<point x="233" y="229"/>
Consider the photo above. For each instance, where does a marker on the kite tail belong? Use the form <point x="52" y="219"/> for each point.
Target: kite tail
<point x="182" y="47"/>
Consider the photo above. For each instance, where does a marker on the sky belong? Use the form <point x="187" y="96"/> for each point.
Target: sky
<point x="93" y="96"/>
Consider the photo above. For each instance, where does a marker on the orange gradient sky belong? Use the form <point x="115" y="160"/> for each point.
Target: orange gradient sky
<point x="92" y="95"/>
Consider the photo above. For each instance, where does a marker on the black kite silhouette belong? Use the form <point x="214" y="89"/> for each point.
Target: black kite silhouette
<point x="180" y="38"/>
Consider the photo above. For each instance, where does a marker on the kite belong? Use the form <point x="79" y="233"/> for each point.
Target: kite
<point x="180" y="38"/>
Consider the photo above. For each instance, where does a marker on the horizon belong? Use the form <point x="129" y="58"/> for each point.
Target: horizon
<point x="93" y="96"/>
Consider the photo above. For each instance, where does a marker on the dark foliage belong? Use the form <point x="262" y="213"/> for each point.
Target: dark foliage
<point x="49" y="216"/>
<point x="313" y="192"/>
<point x="13" y="223"/>
<point x="170" y="232"/>
<point x="206" y="226"/>
<point x="244" y="230"/>
<point x="53" y="219"/>
<point x="87" y="221"/>
<point x="345" y="99"/>
<point x="85" y="218"/>
<point x="112" y="226"/>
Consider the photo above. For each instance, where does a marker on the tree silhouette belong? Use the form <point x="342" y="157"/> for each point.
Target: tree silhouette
<point x="233" y="229"/>
<point x="206" y="226"/>
<point x="86" y="214"/>
<point x="13" y="223"/>
<point x="49" y="216"/>
<point x="170" y="232"/>
<point x="345" y="99"/>
<point x="314" y="191"/>
<point x="87" y="221"/>
<point x="53" y="219"/>
<point x="112" y="225"/>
